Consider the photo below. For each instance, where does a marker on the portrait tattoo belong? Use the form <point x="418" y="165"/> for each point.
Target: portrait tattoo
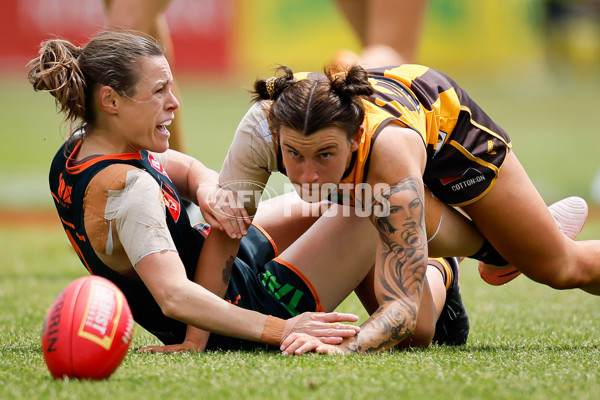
<point x="400" y="266"/>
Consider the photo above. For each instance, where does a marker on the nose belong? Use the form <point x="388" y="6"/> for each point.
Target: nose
<point x="172" y="103"/>
<point x="309" y="173"/>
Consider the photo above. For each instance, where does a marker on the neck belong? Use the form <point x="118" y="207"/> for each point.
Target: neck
<point x="97" y="142"/>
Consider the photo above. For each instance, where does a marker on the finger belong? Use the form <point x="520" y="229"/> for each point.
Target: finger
<point x="241" y="224"/>
<point x="291" y="338"/>
<point x="293" y="346"/>
<point x="246" y="217"/>
<point x="338" y="329"/>
<point x="233" y="229"/>
<point x="337" y="317"/>
<point x="213" y="222"/>
<point x="331" y="340"/>
<point x="151" y="349"/>
<point x="306" y="347"/>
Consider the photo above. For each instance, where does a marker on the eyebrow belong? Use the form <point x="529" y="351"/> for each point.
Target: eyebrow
<point x="328" y="147"/>
<point x="162" y="82"/>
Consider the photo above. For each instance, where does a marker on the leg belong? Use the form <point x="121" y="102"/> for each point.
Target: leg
<point x="396" y="24"/>
<point x="515" y="219"/>
<point x="388" y="30"/>
<point x="449" y="232"/>
<point x="335" y="246"/>
<point x="286" y="218"/>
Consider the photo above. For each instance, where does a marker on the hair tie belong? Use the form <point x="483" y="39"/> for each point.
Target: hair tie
<point x="271" y="86"/>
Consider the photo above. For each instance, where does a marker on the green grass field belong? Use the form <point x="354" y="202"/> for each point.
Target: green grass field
<point x="527" y="341"/>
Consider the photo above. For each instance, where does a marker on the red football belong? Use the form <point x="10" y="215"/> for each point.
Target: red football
<point x="87" y="330"/>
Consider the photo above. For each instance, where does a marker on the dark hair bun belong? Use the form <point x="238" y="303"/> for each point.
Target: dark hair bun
<point x="353" y="82"/>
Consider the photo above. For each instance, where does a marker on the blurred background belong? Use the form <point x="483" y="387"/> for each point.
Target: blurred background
<point x="533" y="65"/>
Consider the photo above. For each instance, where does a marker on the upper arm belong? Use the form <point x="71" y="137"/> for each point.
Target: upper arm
<point x="251" y="158"/>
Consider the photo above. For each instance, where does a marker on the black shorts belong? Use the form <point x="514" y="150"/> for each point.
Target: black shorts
<point x="467" y="166"/>
<point x="261" y="282"/>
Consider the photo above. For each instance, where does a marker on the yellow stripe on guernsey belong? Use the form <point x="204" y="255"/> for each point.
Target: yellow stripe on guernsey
<point x="444" y="111"/>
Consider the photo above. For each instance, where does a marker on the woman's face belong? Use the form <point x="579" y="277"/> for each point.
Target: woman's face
<point x="314" y="160"/>
<point x="147" y="113"/>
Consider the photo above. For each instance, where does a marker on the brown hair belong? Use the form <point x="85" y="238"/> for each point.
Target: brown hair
<point x="308" y="105"/>
<point x="72" y="74"/>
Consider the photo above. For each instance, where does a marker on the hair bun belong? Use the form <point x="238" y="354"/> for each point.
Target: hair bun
<point x="353" y="82"/>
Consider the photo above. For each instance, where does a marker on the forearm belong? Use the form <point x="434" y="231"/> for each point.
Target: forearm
<point x="205" y="311"/>
<point x="186" y="301"/>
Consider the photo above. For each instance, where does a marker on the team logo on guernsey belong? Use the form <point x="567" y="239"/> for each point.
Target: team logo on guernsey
<point x="157" y="165"/>
<point x="64" y="192"/>
<point x="172" y="205"/>
<point x="441" y="140"/>
<point x="469" y="178"/>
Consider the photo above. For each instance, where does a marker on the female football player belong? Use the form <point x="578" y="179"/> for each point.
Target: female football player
<point x="391" y="137"/>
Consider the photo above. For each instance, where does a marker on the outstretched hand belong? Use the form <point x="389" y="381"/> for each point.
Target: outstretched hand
<point x="328" y="328"/>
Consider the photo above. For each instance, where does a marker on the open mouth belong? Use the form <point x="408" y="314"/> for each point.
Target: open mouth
<point x="162" y="128"/>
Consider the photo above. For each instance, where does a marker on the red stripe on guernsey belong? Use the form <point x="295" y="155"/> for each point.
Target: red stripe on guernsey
<point x="446" y="181"/>
<point x="75" y="169"/>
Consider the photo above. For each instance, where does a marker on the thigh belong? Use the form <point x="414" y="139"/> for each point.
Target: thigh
<point x="335" y="254"/>
<point x="516" y="221"/>
<point x="286" y="217"/>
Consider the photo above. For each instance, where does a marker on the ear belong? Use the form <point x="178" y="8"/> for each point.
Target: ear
<point x="355" y="142"/>
<point x="109" y="100"/>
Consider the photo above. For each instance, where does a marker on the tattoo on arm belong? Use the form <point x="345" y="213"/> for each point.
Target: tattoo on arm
<point x="400" y="268"/>
<point x="227" y="270"/>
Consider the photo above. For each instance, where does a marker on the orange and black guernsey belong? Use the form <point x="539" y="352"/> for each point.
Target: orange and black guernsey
<point x="465" y="148"/>
<point x="252" y="275"/>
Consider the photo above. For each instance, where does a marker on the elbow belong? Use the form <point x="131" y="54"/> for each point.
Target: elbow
<point x="171" y="306"/>
<point x="410" y="326"/>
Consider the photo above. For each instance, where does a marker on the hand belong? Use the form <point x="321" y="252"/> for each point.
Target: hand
<point x="222" y="209"/>
<point x="172" y="348"/>
<point x="300" y="343"/>
<point x="327" y="327"/>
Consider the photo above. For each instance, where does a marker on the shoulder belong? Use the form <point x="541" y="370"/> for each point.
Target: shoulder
<point x="397" y="152"/>
<point x="117" y="176"/>
<point x="255" y="122"/>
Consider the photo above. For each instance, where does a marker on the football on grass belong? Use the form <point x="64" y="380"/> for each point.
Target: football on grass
<point x="87" y="330"/>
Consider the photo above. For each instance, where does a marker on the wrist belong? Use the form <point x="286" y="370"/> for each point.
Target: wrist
<point x="273" y="331"/>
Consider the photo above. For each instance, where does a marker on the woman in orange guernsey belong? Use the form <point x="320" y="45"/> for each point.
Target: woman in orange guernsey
<point x="410" y="146"/>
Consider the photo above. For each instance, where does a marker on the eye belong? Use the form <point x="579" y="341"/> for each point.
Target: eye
<point x="325" y="156"/>
<point x="294" y="154"/>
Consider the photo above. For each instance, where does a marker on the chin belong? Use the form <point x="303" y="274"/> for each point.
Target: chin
<point x="313" y="195"/>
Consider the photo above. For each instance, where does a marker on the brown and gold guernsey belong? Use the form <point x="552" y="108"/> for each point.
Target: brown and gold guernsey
<point x="465" y="148"/>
